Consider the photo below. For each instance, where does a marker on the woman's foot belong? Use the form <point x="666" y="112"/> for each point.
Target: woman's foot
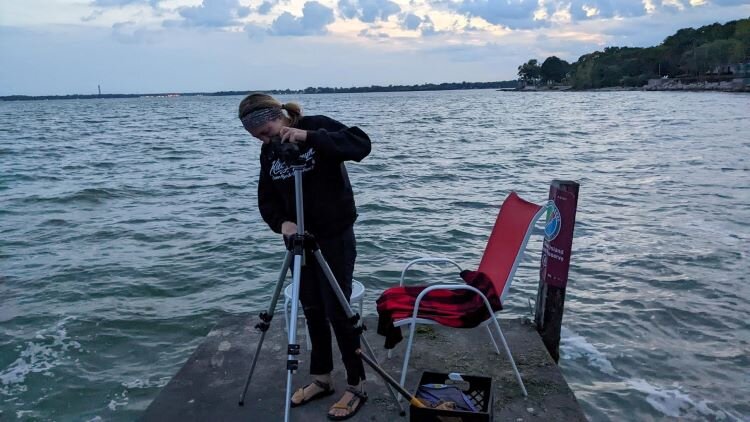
<point x="349" y="404"/>
<point x="319" y="388"/>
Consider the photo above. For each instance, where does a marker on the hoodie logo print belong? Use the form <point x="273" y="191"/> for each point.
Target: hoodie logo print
<point x="281" y="171"/>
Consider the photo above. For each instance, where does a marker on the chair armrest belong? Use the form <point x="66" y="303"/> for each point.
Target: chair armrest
<point x="424" y="292"/>
<point x="425" y="259"/>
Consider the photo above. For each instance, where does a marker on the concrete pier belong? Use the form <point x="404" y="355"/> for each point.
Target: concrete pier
<point x="208" y="386"/>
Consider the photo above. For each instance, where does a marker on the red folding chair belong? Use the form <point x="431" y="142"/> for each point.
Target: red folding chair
<point x="476" y="302"/>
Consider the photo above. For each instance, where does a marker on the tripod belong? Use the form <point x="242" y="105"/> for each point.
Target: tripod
<point x="296" y="247"/>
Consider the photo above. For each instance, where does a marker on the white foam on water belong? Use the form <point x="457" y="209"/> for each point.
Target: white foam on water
<point x="119" y="400"/>
<point x="122" y="399"/>
<point x="675" y="403"/>
<point x="668" y="401"/>
<point x="139" y="383"/>
<point x="21" y="413"/>
<point x="39" y="356"/>
<point x="574" y="346"/>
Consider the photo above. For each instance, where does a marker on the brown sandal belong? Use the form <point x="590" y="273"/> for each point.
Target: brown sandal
<point x="327" y="391"/>
<point x="353" y="409"/>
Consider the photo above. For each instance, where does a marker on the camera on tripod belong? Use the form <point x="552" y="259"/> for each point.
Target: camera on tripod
<point x="287" y="152"/>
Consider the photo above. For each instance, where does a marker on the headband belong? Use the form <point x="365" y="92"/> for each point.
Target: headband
<point x="260" y="117"/>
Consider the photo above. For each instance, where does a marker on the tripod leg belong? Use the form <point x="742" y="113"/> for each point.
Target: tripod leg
<point x="395" y="397"/>
<point x="266" y="320"/>
<point x="292" y="348"/>
<point x="349" y="314"/>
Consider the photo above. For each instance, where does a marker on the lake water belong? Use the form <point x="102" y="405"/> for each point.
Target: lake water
<point x="128" y="228"/>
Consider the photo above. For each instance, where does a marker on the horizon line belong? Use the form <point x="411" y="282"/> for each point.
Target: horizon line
<point x="308" y="90"/>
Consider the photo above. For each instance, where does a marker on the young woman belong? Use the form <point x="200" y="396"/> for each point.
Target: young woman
<point x="329" y="209"/>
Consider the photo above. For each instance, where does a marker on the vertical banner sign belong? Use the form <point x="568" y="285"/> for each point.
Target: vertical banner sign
<point x="558" y="235"/>
<point x="556" y="252"/>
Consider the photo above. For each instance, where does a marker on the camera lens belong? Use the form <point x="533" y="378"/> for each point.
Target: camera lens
<point x="284" y="151"/>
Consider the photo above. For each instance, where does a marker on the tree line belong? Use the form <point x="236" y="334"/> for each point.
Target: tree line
<point x="689" y="52"/>
<point x="423" y="87"/>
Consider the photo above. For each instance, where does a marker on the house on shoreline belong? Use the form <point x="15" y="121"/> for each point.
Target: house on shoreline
<point x="733" y="77"/>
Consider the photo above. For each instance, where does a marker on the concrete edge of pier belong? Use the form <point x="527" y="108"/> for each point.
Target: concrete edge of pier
<point x="209" y="384"/>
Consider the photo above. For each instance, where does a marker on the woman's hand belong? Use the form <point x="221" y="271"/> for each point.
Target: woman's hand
<point x="292" y="134"/>
<point x="288" y="228"/>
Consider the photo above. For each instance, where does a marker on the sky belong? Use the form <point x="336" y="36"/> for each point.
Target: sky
<point x="50" y="47"/>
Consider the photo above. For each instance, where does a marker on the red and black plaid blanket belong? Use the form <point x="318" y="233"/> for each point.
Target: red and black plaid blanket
<point x="453" y="308"/>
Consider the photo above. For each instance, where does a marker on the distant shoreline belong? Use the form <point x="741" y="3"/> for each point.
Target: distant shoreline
<point x="505" y="86"/>
<point x="311" y="90"/>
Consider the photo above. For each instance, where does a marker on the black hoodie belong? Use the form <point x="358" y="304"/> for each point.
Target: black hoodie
<point x="327" y="194"/>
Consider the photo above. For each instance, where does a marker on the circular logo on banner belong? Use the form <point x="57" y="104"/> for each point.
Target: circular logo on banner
<point x="552" y="227"/>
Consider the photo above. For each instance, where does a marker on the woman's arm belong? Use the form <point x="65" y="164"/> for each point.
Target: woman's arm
<point x="338" y="141"/>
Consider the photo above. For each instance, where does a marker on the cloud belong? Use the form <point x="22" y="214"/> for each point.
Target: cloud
<point x="510" y="13"/>
<point x="93" y="16"/>
<point x="528" y="14"/>
<point x="411" y="22"/>
<point x="214" y="13"/>
<point x="368" y="11"/>
<point x="255" y="31"/>
<point x="266" y="6"/>
<point x="121" y="3"/>
<point x="373" y="35"/>
<point x="729" y="2"/>
<point x="586" y="9"/>
<point x="651" y="29"/>
<point x="114" y="3"/>
<point x="131" y="33"/>
<point x="314" y="20"/>
<point x="490" y="54"/>
<point x="243" y="12"/>
<point x="427" y="27"/>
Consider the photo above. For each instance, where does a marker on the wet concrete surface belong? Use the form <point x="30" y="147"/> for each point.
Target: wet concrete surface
<point x="208" y="386"/>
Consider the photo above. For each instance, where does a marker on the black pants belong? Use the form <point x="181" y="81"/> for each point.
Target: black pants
<point x="321" y="307"/>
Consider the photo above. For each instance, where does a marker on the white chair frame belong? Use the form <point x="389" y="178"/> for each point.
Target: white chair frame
<point x="491" y="321"/>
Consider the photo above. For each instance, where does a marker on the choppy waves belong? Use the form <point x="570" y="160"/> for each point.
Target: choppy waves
<point x="130" y="227"/>
<point x="668" y="401"/>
